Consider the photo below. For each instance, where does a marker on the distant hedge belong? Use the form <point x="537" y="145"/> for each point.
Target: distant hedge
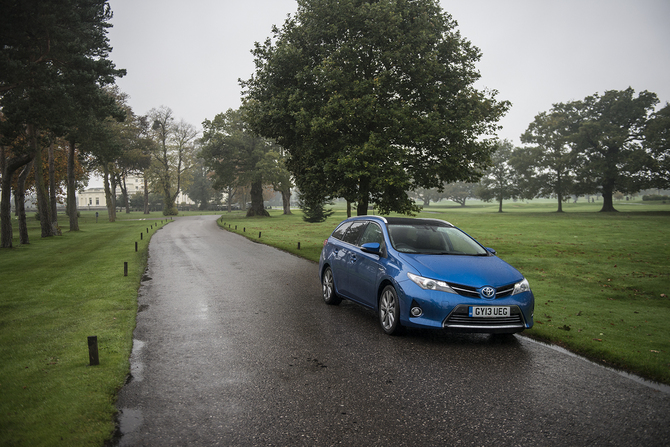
<point x="654" y="197"/>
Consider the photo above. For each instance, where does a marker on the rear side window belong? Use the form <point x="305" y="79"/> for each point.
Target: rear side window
<point x="341" y="230"/>
<point x="354" y="231"/>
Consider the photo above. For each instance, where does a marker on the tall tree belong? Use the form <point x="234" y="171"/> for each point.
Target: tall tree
<point x="238" y="156"/>
<point x="610" y="140"/>
<point x="372" y="99"/>
<point x="657" y="138"/>
<point x="548" y="167"/>
<point x="500" y="181"/>
<point x="172" y="155"/>
<point x="53" y="63"/>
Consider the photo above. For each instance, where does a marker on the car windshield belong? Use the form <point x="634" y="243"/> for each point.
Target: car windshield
<point x="437" y="240"/>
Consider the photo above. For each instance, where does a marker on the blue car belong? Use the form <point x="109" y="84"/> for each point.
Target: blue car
<point x="423" y="273"/>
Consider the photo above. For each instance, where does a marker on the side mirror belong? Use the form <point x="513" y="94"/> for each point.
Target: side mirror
<point x="372" y="247"/>
<point x="492" y="251"/>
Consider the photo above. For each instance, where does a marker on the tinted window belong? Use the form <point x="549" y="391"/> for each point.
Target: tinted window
<point x="354" y="231"/>
<point x="339" y="232"/>
<point x="427" y="239"/>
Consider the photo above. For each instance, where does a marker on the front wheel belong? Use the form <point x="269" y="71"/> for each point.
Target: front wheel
<point x="328" y="288"/>
<point x="389" y="311"/>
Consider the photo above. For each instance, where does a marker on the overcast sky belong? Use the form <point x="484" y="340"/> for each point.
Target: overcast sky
<point x="188" y="55"/>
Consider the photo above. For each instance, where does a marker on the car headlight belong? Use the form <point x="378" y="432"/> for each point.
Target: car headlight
<point x="430" y="284"/>
<point x="521" y="287"/>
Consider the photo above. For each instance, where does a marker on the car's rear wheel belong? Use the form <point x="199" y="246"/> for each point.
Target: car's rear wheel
<point x="328" y="288"/>
<point x="389" y="311"/>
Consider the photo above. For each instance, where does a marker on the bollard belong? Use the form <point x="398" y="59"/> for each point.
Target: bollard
<point x="125" y="269"/>
<point x="135" y="245"/>
<point x="140" y="236"/>
<point x="236" y="227"/>
<point x="93" y="350"/>
<point x="244" y="230"/>
<point x="147" y="231"/>
<point x="298" y="245"/>
<point x="259" y="235"/>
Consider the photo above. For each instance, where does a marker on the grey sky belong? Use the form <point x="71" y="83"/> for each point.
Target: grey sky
<point x="188" y="55"/>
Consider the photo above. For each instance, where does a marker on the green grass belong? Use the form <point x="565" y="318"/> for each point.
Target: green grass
<point x="55" y="292"/>
<point x="601" y="280"/>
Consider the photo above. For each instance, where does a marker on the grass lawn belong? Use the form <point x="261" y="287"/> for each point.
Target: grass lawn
<point x="54" y="293"/>
<point x="601" y="281"/>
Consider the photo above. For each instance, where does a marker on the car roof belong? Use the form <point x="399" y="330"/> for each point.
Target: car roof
<point x="402" y="220"/>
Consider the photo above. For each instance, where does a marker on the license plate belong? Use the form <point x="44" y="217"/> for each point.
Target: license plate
<point x="489" y="311"/>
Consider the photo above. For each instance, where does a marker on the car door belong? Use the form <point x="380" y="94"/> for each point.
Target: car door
<point x="365" y="268"/>
<point x="346" y="258"/>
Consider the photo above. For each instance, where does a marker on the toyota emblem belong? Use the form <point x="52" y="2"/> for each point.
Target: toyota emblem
<point x="488" y="292"/>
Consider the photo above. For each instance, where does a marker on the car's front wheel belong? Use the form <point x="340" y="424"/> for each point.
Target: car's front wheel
<point x="328" y="288"/>
<point x="389" y="311"/>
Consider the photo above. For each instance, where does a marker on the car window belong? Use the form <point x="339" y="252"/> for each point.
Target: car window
<point x="354" y="231"/>
<point x="341" y="230"/>
<point x="427" y="239"/>
<point x="372" y="233"/>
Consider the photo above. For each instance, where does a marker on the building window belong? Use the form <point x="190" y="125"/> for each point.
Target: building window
<point x="97" y="201"/>
<point x="90" y="201"/>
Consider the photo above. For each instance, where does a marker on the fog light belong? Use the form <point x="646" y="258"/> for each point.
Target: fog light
<point x="416" y="311"/>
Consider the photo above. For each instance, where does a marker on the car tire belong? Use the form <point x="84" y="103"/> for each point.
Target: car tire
<point x="328" y="288"/>
<point x="389" y="311"/>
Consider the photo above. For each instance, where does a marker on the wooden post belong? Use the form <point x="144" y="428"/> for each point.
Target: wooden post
<point x="259" y="235"/>
<point x="140" y="236"/>
<point x="93" y="351"/>
<point x="298" y="245"/>
<point x="125" y="269"/>
<point x="135" y="245"/>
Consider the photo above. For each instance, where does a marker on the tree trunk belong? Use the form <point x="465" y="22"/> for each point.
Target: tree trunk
<point x="42" y="200"/>
<point x="21" y="203"/>
<point x="348" y="209"/>
<point x="608" y="193"/>
<point x="286" y="200"/>
<point x="146" y="193"/>
<point x="71" y="189"/>
<point x="109" y="202"/>
<point x="363" y="197"/>
<point x="560" y="203"/>
<point x="8" y="168"/>
<point x="500" y="201"/>
<point x="52" y="188"/>
<point x="257" y="207"/>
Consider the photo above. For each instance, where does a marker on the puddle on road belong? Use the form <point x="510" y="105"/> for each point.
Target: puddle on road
<point x="130" y="421"/>
<point x="136" y="364"/>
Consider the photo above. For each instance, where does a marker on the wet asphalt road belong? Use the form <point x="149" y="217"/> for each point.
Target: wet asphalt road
<point x="234" y="346"/>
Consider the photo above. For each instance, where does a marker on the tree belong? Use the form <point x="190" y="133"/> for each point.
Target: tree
<point x="172" y="156"/>
<point x="200" y="188"/>
<point x="657" y="138"/>
<point x="610" y="141"/>
<point x="239" y="157"/>
<point x="500" y="181"/>
<point x="548" y="167"/>
<point x="53" y="63"/>
<point x="371" y="100"/>
<point x="459" y="192"/>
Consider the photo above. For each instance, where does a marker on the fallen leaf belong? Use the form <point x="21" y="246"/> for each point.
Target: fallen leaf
<point x="658" y="352"/>
<point x="598" y="339"/>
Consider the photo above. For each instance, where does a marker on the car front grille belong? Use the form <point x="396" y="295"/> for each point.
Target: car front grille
<point x="459" y="319"/>
<point x="472" y="292"/>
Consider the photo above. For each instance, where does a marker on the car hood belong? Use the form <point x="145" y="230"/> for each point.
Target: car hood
<point x="474" y="271"/>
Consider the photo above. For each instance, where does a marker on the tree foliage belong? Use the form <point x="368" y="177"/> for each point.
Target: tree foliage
<point x="372" y="99"/>
<point x="500" y="181"/>
<point x="53" y="65"/>
<point x="239" y="157"/>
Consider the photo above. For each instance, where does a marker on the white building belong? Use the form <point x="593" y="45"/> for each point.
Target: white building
<point x="94" y="198"/>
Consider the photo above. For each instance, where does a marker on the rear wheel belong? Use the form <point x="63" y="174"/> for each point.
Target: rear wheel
<point x="389" y="311"/>
<point x="328" y="288"/>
